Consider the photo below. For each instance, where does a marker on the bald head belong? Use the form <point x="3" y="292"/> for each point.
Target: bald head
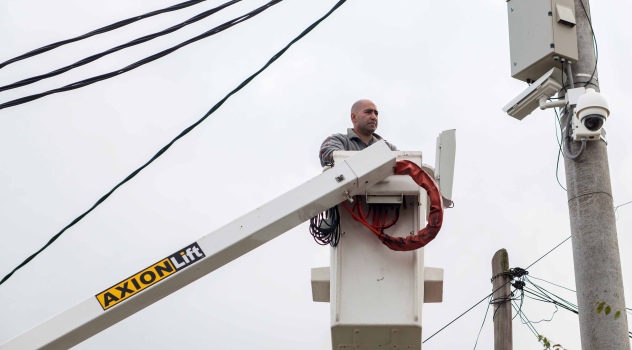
<point x="359" y="104"/>
<point x="364" y="119"/>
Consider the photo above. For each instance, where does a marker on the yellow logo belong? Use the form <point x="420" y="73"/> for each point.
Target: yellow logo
<point x="150" y="276"/>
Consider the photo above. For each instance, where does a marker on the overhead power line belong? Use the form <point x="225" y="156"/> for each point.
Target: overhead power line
<point x="89" y="81"/>
<point x="182" y="134"/>
<point x="489" y="295"/>
<point x="102" y="30"/>
<point x="547" y="253"/>
<point x="118" y="48"/>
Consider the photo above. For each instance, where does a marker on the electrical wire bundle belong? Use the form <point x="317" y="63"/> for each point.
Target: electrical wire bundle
<point x="325" y="227"/>
<point x="92" y="80"/>
<point x="117" y="48"/>
<point x="517" y="278"/>
<point x="101" y="30"/>
<point x="378" y="213"/>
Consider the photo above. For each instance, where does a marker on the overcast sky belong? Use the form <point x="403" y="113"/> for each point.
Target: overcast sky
<point x="429" y="66"/>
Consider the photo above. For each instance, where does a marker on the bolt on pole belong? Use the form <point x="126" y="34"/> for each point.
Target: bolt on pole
<point x="597" y="261"/>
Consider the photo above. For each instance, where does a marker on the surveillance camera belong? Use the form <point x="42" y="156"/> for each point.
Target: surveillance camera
<point x="530" y="99"/>
<point x="590" y="114"/>
<point x="593" y="122"/>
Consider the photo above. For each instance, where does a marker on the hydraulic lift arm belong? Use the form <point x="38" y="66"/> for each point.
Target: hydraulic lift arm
<point x="210" y="252"/>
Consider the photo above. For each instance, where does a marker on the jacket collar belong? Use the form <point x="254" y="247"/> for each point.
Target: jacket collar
<point x="352" y="135"/>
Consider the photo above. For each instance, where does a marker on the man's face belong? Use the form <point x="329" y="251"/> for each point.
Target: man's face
<point x="364" y="118"/>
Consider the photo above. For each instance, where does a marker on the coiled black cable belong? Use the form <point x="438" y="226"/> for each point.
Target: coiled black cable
<point x="325" y="227"/>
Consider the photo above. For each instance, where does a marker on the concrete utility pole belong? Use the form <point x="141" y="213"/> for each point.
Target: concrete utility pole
<point x="503" y="339"/>
<point x="596" y="256"/>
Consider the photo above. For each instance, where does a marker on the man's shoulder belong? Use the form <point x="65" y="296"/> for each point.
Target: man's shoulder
<point x="338" y="136"/>
<point x="390" y="145"/>
<point x="336" y="141"/>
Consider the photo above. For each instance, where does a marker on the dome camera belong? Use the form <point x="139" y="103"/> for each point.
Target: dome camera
<point x="593" y="122"/>
<point x="591" y="113"/>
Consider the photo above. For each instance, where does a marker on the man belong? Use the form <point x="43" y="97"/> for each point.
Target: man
<point x="364" y="118"/>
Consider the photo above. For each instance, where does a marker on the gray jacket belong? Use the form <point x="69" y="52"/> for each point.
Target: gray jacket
<point x="348" y="142"/>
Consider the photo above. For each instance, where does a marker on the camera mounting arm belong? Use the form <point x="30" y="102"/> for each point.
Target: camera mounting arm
<point x="545" y="103"/>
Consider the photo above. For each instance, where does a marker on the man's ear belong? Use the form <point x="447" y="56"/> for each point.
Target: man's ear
<point x="353" y="119"/>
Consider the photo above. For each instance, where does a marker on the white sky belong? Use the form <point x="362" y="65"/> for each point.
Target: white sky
<point x="430" y="66"/>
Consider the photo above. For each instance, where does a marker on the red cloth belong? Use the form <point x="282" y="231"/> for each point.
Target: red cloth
<point x="435" y="218"/>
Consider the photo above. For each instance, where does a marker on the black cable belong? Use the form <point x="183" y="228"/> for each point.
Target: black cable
<point x="548" y="252"/>
<point x="525" y="321"/>
<point x="325" y="227"/>
<point x="552" y="315"/>
<point x="183" y="133"/>
<point x="146" y="60"/>
<point x="557" y="285"/>
<point x="547" y="296"/>
<point x="118" y="48"/>
<point x="513" y="273"/>
<point x="589" y="82"/>
<point x="484" y="318"/>
<point x="466" y="311"/>
<point x="586" y="83"/>
<point x="620" y="205"/>
<point x="557" y="169"/>
<point x="384" y="208"/>
<point x="100" y="31"/>
<point x="521" y="302"/>
<point x="560" y="144"/>
<point x="616" y="210"/>
<point x="558" y="124"/>
<point x="547" y="299"/>
<point x="568" y="111"/>
<point x="521" y="272"/>
<point x="544" y="295"/>
<point x="589" y="193"/>
<point x="501" y="301"/>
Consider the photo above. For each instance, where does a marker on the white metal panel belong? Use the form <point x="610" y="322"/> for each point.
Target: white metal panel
<point x="375" y="290"/>
<point x="444" y="164"/>
<point x="219" y="247"/>
<point x="536" y="37"/>
<point x="564" y="30"/>
<point x="376" y="285"/>
<point x="363" y="166"/>
<point x="394" y="184"/>
<point x="376" y="293"/>
<point x="528" y="100"/>
<point x="320" y="284"/>
<point x="530" y="33"/>
<point x="565" y="15"/>
<point x="433" y="285"/>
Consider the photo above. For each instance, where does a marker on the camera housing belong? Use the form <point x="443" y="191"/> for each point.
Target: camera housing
<point x="547" y="86"/>
<point x="590" y="115"/>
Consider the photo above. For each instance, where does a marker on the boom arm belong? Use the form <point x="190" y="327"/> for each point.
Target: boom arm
<point x="210" y="252"/>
